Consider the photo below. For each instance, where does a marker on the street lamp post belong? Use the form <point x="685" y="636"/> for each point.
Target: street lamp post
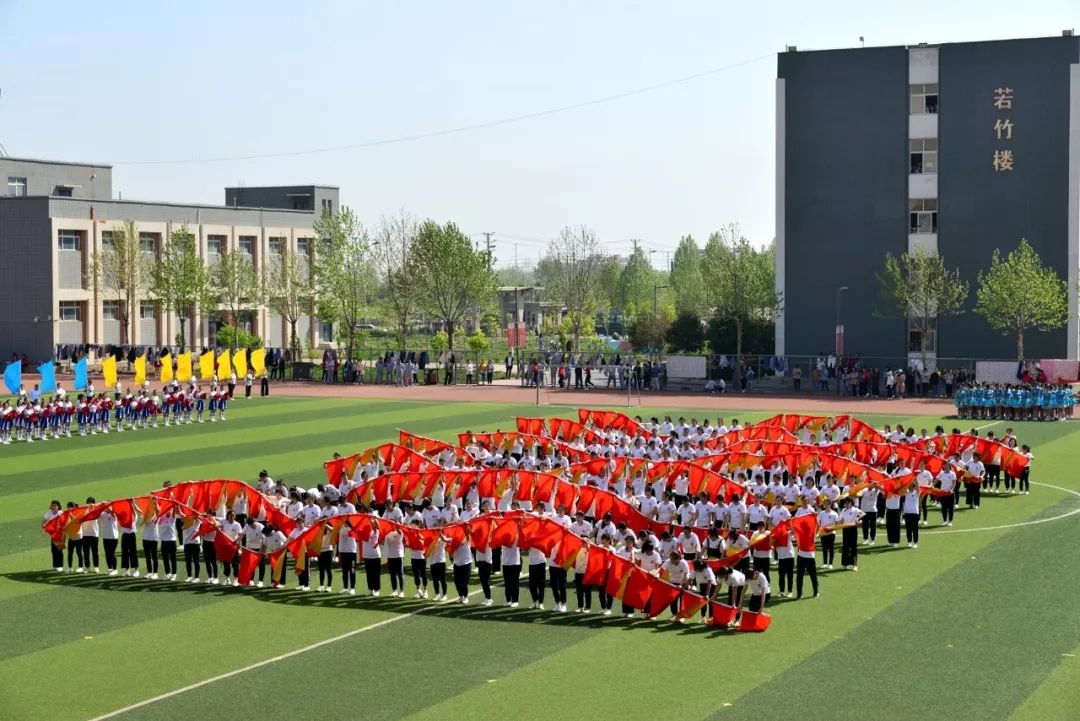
<point x="838" y="349"/>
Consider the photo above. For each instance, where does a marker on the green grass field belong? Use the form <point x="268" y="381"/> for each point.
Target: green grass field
<point x="981" y="622"/>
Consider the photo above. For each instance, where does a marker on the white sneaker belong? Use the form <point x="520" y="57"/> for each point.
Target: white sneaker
<point x="79" y="570"/>
<point x="854" y="568"/>
<point x="187" y="580"/>
<point x="539" y="607"/>
<point x="607" y="612"/>
<point x="319" y="589"/>
<point x="376" y="593"/>
<point x="914" y="545"/>
<point x="486" y="602"/>
<point x="59" y="569"/>
<point x="514" y="604"/>
<point x="464" y="600"/>
<point x="352" y="591"/>
<point x="96" y="570"/>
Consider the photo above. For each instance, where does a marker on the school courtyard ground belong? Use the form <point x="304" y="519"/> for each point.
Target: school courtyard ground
<point x="980" y="622"/>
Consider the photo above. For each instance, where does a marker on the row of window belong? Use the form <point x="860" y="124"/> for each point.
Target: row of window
<point x="110" y="310"/>
<point x="72" y="310"/>
<point x="149" y="242"/>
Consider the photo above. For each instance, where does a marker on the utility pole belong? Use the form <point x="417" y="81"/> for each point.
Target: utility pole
<point x="489" y="246"/>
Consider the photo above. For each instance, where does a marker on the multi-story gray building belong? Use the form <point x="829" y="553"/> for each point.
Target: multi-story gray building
<point x="960" y="148"/>
<point x="54" y="216"/>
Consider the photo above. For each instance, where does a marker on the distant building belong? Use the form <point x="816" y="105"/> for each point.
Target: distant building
<point x="960" y="148"/>
<point x="54" y="215"/>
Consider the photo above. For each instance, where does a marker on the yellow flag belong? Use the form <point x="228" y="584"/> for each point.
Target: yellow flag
<point x="239" y="363"/>
<point x="258" y="362"/>
<point x="206" y="365"/>
<point x="183" y="367"/>
<point x="166" y="368"/>
<point x="108" y="369"/>
<point x="140" y="370"/>
<point x="224" y="369"/>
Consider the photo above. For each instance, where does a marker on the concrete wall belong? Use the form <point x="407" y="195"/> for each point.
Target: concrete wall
<point x="845" y="197"/>
<point x="296" y="197"/>
<point x="27" y="324"/>
<point x="981" y="209"/>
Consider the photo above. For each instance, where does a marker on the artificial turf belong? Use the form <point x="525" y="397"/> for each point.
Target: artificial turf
<point x="978" y="624"/>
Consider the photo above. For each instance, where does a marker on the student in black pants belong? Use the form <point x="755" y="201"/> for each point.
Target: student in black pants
<point x="192" y="548"/>
<point x="557" y="577"/>
<point x="849" y="540"/>
<point x="90" y="541"/>
<point x="911" y="515"/>
<point x="892" y="520"/>
<point x="483" y="570"/>
<point x="1024" y="481"/>
<point x="537" y="578"/>
<point x="209" y="554"/>
<point x="419" y="567"/>
<point x="57" y="553"/>
<point x="805" y="564"/>
<point x="326" y="566"/>
<point x="462" y="571"/>
<point x="511" y="570"/>
<point x="129" y="553"/>
<point x="74" y="548"/>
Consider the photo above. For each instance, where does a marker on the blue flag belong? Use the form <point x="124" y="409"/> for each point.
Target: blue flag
<point x="80" y="374"/>
<point x="48" y="377"/>
<point x="13" y="376"/>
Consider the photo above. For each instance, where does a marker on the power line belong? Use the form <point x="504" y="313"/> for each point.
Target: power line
<point x="451" y="131"/>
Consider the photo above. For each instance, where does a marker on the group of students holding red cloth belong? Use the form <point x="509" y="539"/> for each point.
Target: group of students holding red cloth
<point x="663" y="542"/>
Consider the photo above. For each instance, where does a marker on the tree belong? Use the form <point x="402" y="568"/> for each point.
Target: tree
<point x="573" y="269"/>
<point x="1019" y="292"/>
<point x="344" y="273"/>
<point x="686" y="333"/>
<point x="289" y="291"/>
<point x="236" y="337"/>
<point x="181" y="281"/>
<point x="237" y="285"/>
<point x="922" y="289"/>
<point x="636" y="283"/>
<point x="395" y="263"/>
<point x="648" y="329"/>
<point x="454" y="277"/>
<point x="120" y="270"/>
<point x="478" y="342"/>
<point x="686" y="278"/>
<point x="742" y="283"/>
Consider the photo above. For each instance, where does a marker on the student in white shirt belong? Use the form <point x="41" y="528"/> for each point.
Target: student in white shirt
<point x="973" y="488"/>
<point x="760" y="591"/>
<point x="537" y="578"/>
<point x="714" y="544"/>
<point x="677" y="572"/>
<point x="192" y="548"/>
<point x="253" y="541"/>
<point x="849" y="542"/>
<point x="395" y="559"/>
<point x="736" y="583"/>
<point x="911" y="514"/>
<point x="231" y="529"/>
<point x="273" y="540"/>
<point x="90" y="532"/>
<point x="75" y="547"/>
<point x="1024" y="482"/>
<point x="629" y="553"/>
<point x="946" y="481"/>
<point x="150" y="547"/>
<point x="827" y="518"/>
<point x="689" y="544"/>
<point x="511" y="570"/>
<point x="868" y="504"/>
<point x="705" y="581"/>
<point x="347" y="551"/>
<point x="209" y="554"/>
<point x="110" y="538"/>
<point x="785" y="566"/>
<point x="418" y="562"/>
<point x="371" y="552"/>
<point x="805" y="563"/>
<point x="57" y="554"/>
<point x="462" y="559"/>
<point x="437" y="565"/>
<point x="892" y="518"/>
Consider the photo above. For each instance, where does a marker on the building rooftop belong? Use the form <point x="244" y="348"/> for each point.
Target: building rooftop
<point x="1069" y="34"/>
<point x="53" y="162"/>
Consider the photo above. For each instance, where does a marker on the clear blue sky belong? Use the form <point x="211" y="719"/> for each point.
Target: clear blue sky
<point x="138" y="81"/>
